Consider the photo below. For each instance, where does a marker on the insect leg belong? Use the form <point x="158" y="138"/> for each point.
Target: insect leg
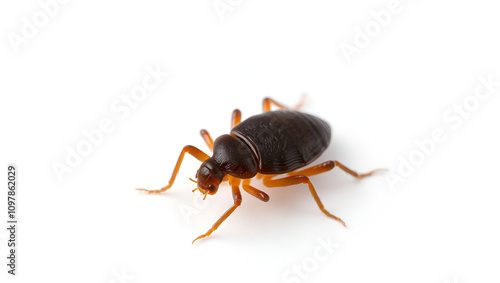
<point x="320" y="168"/>
<point x="353" y="173"/>
<point x="329" y="165"/>
<point x="235" y="118"/>
<point x="200" y="155"/>
<point x="266" y="104"/>
<point x="299" y="179"/>
<point x="208" y="139"/>
<point x="254" y="192"/>
<point x="237" y="201"/>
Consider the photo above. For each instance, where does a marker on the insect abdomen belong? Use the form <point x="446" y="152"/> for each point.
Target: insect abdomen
<point x="284" y="140"/>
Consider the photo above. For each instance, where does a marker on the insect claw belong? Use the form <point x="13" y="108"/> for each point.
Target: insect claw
<point x="202" y="236"/>
<point x="343" y="223"/>
<point x="376" y="171"/>
<point x="199" y="237"/>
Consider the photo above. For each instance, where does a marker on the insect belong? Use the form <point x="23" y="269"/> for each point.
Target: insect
<point x="274" y="146"/>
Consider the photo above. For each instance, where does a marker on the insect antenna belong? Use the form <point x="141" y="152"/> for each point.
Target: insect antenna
<point x="204" y="193"/>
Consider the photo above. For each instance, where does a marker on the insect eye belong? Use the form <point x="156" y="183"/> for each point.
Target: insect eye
<point x="211" y="188"/>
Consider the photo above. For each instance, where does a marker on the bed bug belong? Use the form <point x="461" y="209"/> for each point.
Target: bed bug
<point x="274" y="146"/>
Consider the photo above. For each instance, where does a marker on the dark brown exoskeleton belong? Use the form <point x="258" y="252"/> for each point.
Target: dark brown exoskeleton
<point x="265" y="145"/>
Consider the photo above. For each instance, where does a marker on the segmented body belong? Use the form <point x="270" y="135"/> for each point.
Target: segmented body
<point x="284" y="140"/>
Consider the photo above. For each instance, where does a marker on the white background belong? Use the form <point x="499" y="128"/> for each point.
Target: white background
<point x="440" y="225"/>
